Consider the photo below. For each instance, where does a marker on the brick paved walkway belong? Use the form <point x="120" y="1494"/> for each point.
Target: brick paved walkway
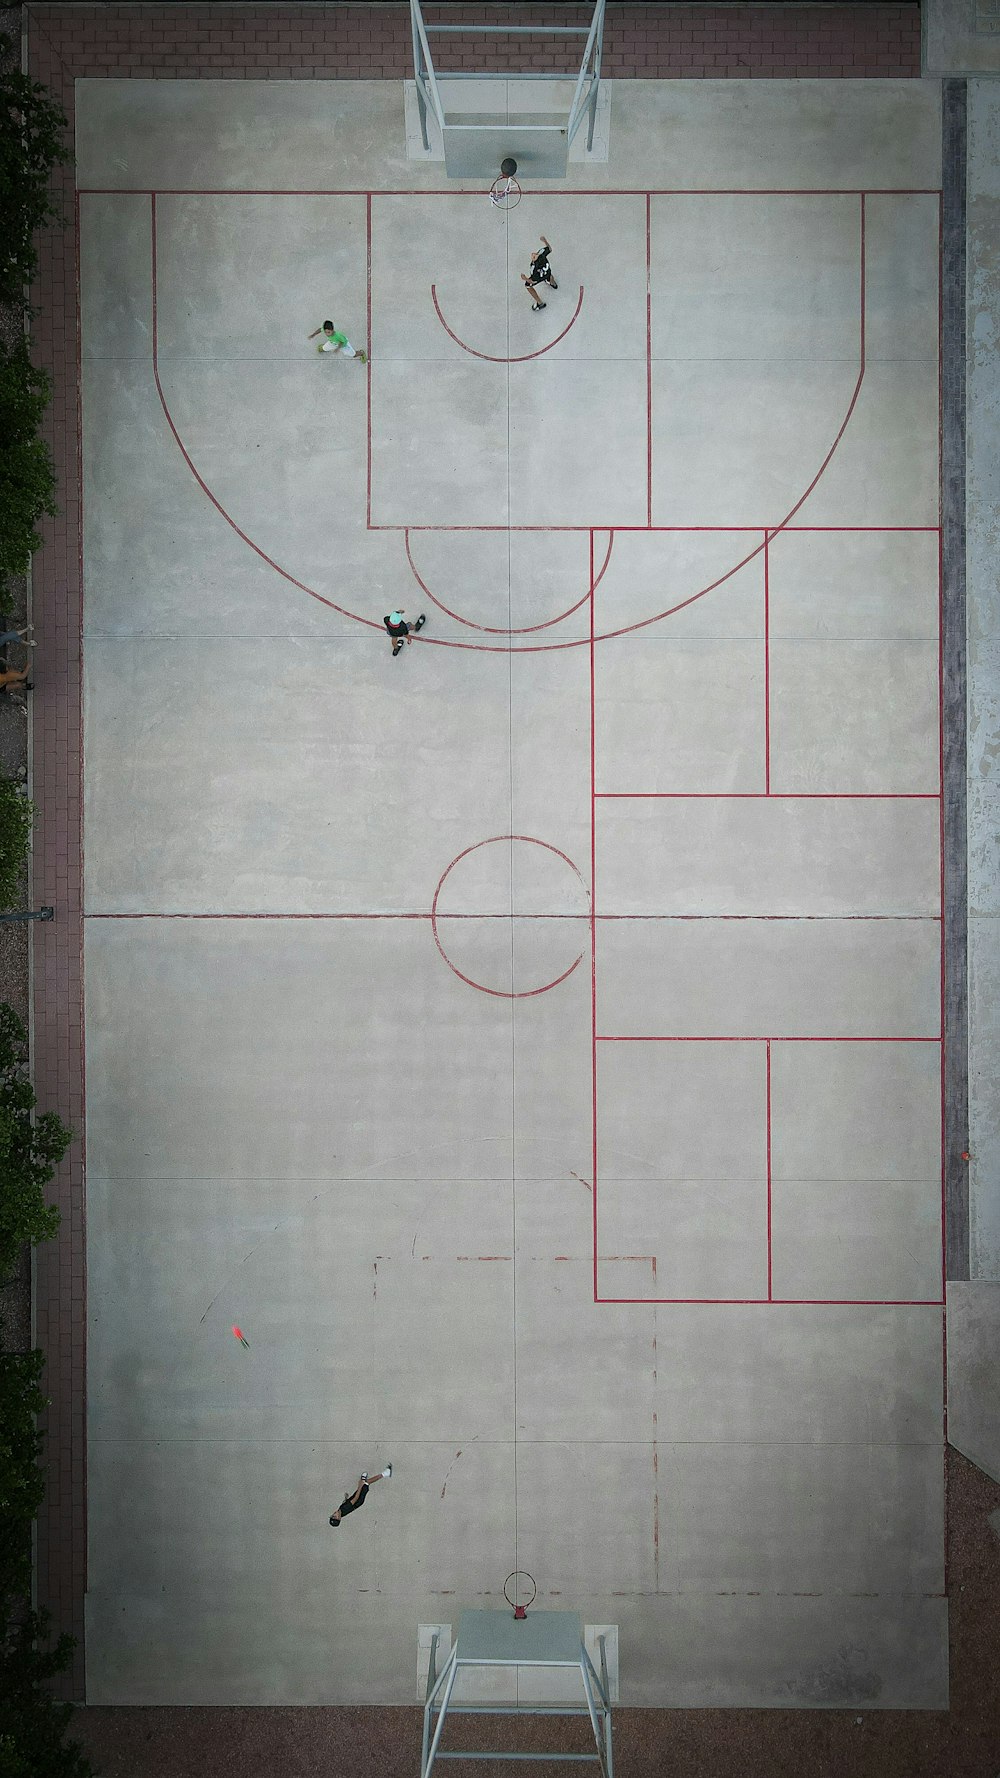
<point x="341" y="41"/>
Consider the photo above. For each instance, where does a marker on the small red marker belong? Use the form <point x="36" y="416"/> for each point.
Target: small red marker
<point x="238" y="1334"/>
<point x="965" y="1154"/>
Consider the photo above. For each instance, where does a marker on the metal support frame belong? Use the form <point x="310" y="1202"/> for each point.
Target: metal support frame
<point x="588" y="78"/>
<point x="437" y="1702"/>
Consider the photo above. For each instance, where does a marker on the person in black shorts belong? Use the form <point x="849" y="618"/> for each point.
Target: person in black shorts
<point x="540" y="273"/>
<point x="351" y="1502"/>
<point x="399" y="629"/>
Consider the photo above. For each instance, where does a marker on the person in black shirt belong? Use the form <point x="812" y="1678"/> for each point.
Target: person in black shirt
<point x="399" y="629"/>
<point x="540" y="273"/>
<point x="351" y="1502"/>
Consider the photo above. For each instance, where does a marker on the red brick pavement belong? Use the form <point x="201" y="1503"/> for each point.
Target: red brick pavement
<point x="206" y="42"/>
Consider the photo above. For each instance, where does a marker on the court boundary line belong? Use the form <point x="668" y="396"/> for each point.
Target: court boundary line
<point x="766" y="533"/>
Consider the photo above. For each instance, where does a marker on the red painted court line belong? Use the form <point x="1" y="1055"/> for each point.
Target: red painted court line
<point x="501" y="993"/>
<point x="300" y="916"/>
<point x="767" y="665"/>
<point x="863" y="270"/>
<point x="797" y="918"/>
<point x="606" y="1037"/>
<point x="490" y="357"/>
<point x="649" y="373"/>
<point x="593" y="925"/>
<point x="786" y="1302"/>
<point x="670" y="530"/>
<point x="445" y="191"/>
<point x="767" y="1052"/>
<point x="368" y="367"/>
<point x="507" y="914"/>
<point x="774" y="796"/>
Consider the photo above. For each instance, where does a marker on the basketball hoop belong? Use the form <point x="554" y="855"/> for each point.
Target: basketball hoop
<point x="505" y="191"/>
<point x="520" y="1610"/>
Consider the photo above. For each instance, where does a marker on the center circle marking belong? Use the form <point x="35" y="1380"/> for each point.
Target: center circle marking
<point x="504" y="839"/>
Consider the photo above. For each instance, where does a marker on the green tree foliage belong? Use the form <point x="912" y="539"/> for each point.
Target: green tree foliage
<point x="22" y="1483"/>
<point x="27" y="478"/>
<point x="16" y="816"/>
<point x="29" y="1151"/>
<point x="32" y="142"/>
<point x="32" y="1723"/>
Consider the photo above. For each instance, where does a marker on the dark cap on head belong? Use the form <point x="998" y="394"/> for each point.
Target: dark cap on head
<point x="334" y="1520"/>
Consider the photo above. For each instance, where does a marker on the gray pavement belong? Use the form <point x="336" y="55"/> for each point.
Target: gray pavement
<point x="332" y="1095"/>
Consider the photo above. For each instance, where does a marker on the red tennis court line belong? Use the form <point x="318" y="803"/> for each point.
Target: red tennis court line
<point x="649" y="373"/>
<point x="593" y="926"/>
<point x="767" y="670"/>
<point x="490" y="357"/>
<point x="368" y="622"/>
<point x="767" y="1052"/>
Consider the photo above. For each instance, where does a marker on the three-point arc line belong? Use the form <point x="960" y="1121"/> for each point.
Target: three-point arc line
<point x="769" y="532"/>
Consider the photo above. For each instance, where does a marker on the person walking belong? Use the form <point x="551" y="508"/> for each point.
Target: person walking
<point x="351" y="1502"/>
<point x="399" y="629"/>
<point x="540" y="273"/>
<point x="335" y="341"/>
<point x="21" y="636"/>
<point x="16" y="679"/>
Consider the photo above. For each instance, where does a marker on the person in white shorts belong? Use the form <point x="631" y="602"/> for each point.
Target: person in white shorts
<point x="334" y="341"/>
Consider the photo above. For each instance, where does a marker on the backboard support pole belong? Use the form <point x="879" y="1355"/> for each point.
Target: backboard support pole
<point x="495" y="1639"/>
<point x="540" y="143"/>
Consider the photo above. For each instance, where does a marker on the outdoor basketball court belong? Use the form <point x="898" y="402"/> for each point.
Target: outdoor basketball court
<point x="532" y="1043"/>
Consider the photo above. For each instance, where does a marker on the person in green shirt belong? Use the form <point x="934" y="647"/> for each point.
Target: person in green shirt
<point x="334" y="341"/>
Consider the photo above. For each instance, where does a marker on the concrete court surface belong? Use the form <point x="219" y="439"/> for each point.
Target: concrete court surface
<point x="531" y="1043"/>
